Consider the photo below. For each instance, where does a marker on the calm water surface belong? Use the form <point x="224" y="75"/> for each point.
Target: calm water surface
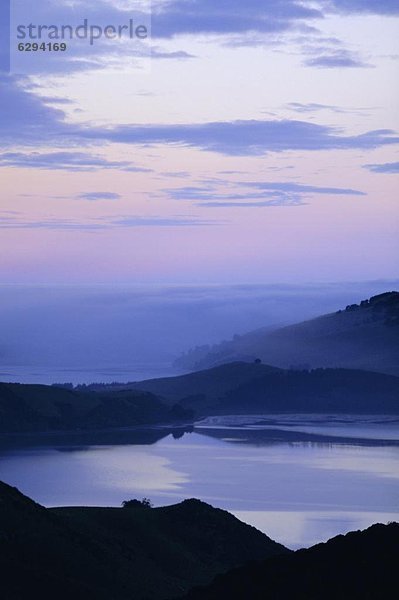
<point x="300" y="480"/>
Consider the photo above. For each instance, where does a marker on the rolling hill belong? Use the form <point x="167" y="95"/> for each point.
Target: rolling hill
<point x="210" y="383"/>
<point x="245" y="388"/>
<point x="40" y="408"/>
<point x="236" y="388"/>
<point x="363" y="336"/>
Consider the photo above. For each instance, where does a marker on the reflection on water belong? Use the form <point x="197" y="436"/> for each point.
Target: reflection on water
<point x="299" y="492"/>
<point x="303" y="529"/>
<point x="367" y="429"/>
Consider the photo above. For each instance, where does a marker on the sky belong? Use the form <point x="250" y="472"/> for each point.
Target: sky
<point x="257" y="144"/>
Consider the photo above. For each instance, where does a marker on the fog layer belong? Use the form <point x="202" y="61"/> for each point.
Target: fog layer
<point x="81" y="334"/>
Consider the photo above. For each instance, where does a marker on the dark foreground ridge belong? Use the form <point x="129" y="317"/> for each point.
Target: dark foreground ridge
<point x="189" y="550"/>
<point x="361" y="565"/>
<point x="132" y="553"/>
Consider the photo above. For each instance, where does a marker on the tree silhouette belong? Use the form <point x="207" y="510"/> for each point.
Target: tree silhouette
<point x="144" y="503"/>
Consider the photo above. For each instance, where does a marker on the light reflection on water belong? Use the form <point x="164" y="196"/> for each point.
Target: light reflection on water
<point x="298" y="492"/>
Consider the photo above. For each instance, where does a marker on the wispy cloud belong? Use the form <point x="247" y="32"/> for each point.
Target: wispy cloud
<point x="314" y="107"/>
<point x="320" y="51"/>
<point x="175" y="174"/>
<point x="18" y="221"/>
<point x="383" y="168"/>
<point x="178" y="17"/>
<point x="232" y="22"/>
<point x="99" y="196"/>
<point x="273" y="202"/>
<point x="158" y="53"/>
<point x="64" y="161"/>
<point x="180" y="221"/>
<point x="25" y="117"/>
<point x="342" y="59"/>
<point x="245" y="138"/>
<point x="26" y="120"/>
<point x="266" y="194"/>
<point x="378" y="7"/>
<point x="303" y="189"/>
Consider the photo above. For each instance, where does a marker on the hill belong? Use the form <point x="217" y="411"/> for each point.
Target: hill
<point x="237" y="388"/>
<point x="40" y="408"/>
<point x="209" y="383"/>
<point x="358" y="566"/>
<point x="253" y="388"/>
<point x="363" y="336"/>
<point x="119" y="553"/>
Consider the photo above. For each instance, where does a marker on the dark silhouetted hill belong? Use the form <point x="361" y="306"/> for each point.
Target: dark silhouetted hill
<point x="363" y="336"/>
<point x="253" y="388"/>
<point x="357" y="566"/>
<point x="237" y="388"/>
<point x="209" y="383"/>
<point x="40" y="408"/>
<point x="118" y="553"/>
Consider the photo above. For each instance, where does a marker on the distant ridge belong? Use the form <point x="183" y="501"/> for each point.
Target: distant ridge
<point x="254" y="388"/>
<point x="362" y="336"/>
<point x="211" y="383"/>
<point x="43" y="408"/>
<point x="235" y="388"/>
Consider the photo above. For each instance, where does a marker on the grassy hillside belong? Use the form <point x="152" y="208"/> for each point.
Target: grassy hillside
<point x="357" y="566"/>
<point x="364" y="336"/>
<point x="210" y="383"/>
<point x="318" y="391"/>
<point x="245" y="388"/>
<point x="27" y="408"/>
<point x="237" y="388"/>
<point x="118" y="553"/>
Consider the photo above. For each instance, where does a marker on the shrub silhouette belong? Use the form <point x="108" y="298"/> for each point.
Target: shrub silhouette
<point x="144" y="503"/>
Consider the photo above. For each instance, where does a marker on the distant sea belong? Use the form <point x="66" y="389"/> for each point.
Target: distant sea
<point x="107" y="374"/>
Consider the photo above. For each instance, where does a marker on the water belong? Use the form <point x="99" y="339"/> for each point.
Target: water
<point x="299" y="479"/>
<point x="48" y="375"/>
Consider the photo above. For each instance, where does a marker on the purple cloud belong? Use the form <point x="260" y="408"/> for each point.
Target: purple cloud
<point x="27" y="121"/>
<point x="99" y="196"/>
<point x="390" y="168"/>
<point x="64" y="161"/>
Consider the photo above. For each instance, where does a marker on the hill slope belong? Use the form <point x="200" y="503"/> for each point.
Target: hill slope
<point x="118" y="553"/>
<point x="357" y="566"/>
<point x="28" y="408"/>
<point x="364" y="336"/>
<point x="210" y="383"/>
<point x="237" y="388"/>
<point x="245" y="388"/>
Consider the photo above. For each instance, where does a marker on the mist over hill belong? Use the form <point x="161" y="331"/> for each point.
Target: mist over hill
<point x="344" y="362"/>
<point x="85" y="334"/>
<point x="361" y="336"/>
